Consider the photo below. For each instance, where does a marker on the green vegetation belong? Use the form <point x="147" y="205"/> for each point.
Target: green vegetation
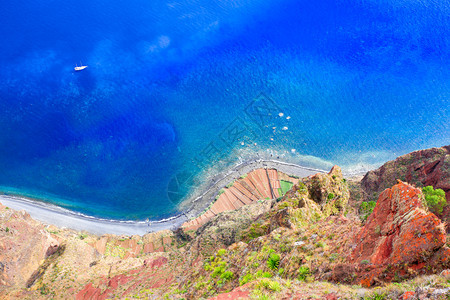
<point x="330" y="196"/>
<point x="285" y="186"/>
<point x="266" y="275"/>
<point x="366" y="208"/>
<point x="434" y="199"/>
<point x="303" y="273"/>
<point x="255" y="230"/>
<point x="221" y="252"/>
<point x="82" y="236"/>
<point x="7" y="229"/>
<point x="230" y="184"/>
<point x="270" y="285"/>
<point x="246" y="278"/>
<point x="375" y="296"/>
<point x="227" y="275"/>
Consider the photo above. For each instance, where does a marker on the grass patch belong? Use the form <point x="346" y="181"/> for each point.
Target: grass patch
<point x="285" y="186"/>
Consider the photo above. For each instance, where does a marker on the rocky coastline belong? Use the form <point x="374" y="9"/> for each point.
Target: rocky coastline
<point x="318" y="236"/>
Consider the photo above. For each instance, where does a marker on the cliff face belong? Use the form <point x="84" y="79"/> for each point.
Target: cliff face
<point x="305" y="244"/>
<point x="402" y="235"/>
<point x="420" y="168"/>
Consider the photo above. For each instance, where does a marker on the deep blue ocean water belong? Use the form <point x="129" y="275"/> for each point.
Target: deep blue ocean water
<point x="185" y="88"/>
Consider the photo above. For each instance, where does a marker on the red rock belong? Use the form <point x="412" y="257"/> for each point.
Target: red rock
<point x="237" y="293"/>
<point x="88" y="292"/>
<point x="408" y="295"/>
<point x="400" y="229"/>
<point x="155" y="263"/>
<point x="421" y="168"/>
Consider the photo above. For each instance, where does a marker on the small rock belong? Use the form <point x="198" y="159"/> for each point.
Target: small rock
<point x="299" y="243"/>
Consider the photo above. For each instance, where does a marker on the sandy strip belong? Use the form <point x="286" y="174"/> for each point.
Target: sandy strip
<point x="52" y="214"/>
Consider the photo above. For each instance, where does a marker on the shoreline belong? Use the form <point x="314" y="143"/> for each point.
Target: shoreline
<point x="61" y="217"/>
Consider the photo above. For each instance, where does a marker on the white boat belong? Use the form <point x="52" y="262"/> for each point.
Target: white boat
<point x="79" y="68"/>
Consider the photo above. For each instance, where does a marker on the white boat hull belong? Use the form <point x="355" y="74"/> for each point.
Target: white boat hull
<point x="80" y="68"/>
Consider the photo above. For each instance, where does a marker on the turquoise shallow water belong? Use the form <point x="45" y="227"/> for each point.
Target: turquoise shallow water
<point x="177" y="91"/>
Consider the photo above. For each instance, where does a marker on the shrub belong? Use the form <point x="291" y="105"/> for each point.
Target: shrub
<point x="221" y="252"/>
<point x="271" y="285"/>
<point x="227" y="275"/>
<point x="375" y="296"/>
<point x="434" y="199"/>
<point x="330" y="196"/>
<point x="274" y="261"/>
<point x="217" y="271"/>
<point x="366" y="208"/>
<point x="303" y="273"/>
<point x="247" y="277"/>
<point x="274" y="286"/>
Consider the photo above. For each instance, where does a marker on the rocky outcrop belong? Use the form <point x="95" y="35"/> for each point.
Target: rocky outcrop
<point x="420" y="168"/>
<point x="400" y="236"/>
<point x="400" y="229"/>
<point x="330" y="191"/>
<point x="151" y="275"/>
<point x="24" y="245"/>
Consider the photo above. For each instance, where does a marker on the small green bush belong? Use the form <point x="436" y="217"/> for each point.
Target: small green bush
<point x="227" y="275"/>
<point x="375" y="296"/>
<point x="435" y="199"/>
<point x="366" y="208"/>
<point x="303" y="273"/>
<point x="270" y="285"/>
<point x="221" y="252"/>
<point x="330" y="196"/>
<point x="247" y="278"/>
<point x="273" y="261"/>
<point x="7" y="229"/>
<point x="274" y="286"/>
